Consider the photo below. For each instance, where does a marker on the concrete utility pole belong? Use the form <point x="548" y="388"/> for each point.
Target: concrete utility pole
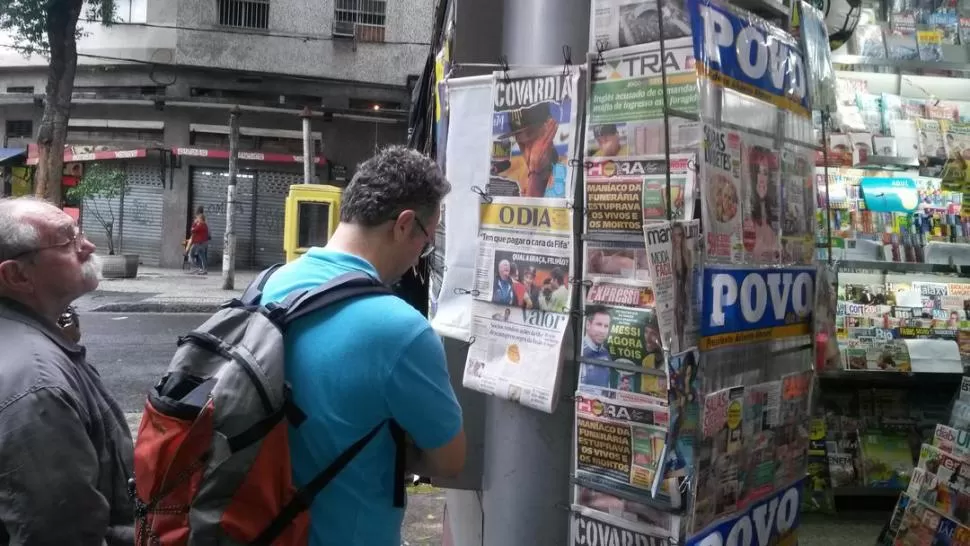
<point x="308" y="155"/>
<point x="229" y="241"/>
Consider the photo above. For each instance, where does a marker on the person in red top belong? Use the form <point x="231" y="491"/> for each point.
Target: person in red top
<point x="199" y="240"/>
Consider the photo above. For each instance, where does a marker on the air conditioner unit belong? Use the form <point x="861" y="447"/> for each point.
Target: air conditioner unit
<point x="344" y="29"/>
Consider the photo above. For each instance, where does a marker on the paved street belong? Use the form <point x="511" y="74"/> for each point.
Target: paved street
<point x="132" y="351"/>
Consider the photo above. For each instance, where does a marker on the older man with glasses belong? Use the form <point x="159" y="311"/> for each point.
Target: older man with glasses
<point x="65" y="447"/>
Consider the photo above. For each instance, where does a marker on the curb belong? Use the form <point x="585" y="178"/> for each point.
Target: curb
<point x="157" y="307"/>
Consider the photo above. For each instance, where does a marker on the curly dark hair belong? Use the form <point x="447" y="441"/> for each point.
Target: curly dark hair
<point x="394" y="180"/>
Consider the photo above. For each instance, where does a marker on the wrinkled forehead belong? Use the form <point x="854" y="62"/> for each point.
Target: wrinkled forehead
<point x="50" y="222"/>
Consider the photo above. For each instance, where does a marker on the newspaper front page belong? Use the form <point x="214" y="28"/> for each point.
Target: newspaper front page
<point x="620" y="445"/>
<point x="535" y="131"/>
<point x="625" y="111"/>
<point x="521" y="300"/>
<point x="625" y="23"/>
<point x="595" y="528"/>
<point x="623" y="193"/>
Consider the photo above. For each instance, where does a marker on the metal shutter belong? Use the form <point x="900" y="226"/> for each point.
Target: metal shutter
<point x="209" y="189"/>
<point x="271" y="191"/>
<point x="91" y="209"/>
<point x="142" y="215"/>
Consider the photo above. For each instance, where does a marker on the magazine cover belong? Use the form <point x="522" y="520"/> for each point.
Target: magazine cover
<point x="685" y="412"/>
<point x="624" y="115"/>
<point x="625" y="23"/>
<point x="798" y="205"/>
<point x="761" y="200"/>
<point x="621" y="193"/>
<point x="620" y="445"/>
<point x="721" y="194"/>
<point x="672" y="250"/>
<point x="534" y="133"/>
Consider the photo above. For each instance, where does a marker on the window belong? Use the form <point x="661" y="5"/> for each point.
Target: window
<point x="362" y="19"/>
<point x="20" y="128"/>
<point x="313" y="221"/>
<point x="126" y="11"/>
<point x="244" y="13"/>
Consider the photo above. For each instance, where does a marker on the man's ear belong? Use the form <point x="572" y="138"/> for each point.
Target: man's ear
<point x="403" y="224"/>
<point x="13" y="278"/>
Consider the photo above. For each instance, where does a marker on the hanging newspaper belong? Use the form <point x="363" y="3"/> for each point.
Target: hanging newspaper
<point x="620" y="327"/>
<point x="625" y="111"/>
<point x="625" y="23"/>
<point x="798" y="204"/>
<point x="685" y="412"/>
<point x="620" y="445"/>
<point x="672" y="250"/>
<point x="534" y="132"/>
<point x="594" y="528"/>
<point x="626" y="514"/>
<point x="773" y="520"/>
<point x="741" y="196"/>
<point x="623" y="193"/>
<point x="522" y="295"/>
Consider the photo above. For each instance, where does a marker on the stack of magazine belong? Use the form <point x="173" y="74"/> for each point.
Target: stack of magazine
<point x="935" y="508"/>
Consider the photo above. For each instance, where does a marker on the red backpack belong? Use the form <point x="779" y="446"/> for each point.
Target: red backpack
<point x="212" y="460"/>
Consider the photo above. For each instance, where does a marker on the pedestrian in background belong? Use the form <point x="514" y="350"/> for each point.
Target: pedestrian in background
<point x="370" y="359"/>
<point x="65" y="446"/>
<point x="199" y="243"/>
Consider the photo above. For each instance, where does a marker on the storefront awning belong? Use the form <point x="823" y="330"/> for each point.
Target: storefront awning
<point x="75" y="154"/>
<point x="245" y="156"/>
<point x="10" y="155"/>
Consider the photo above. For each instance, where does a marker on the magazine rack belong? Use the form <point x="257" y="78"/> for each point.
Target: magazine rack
<point x="714" y="364"/>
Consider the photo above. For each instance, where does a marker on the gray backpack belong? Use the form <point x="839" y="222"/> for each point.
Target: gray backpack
<point x="212" y="460"/>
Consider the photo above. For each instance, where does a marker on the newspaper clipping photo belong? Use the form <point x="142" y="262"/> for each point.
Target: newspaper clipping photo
<point x="534" y="133"/>
<point x="625" y="107"/>
<point x="617" y="260"/>
<point x="521" y="300"/>
<point x="625" y="23"/>
<point x="622" y="193"/>
<point x="672" y="250"/>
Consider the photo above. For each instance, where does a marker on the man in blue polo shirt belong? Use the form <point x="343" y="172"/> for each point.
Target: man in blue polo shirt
<point x="371" y="358"/>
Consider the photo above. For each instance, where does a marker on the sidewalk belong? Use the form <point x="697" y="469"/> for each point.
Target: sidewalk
<point x="158" y="290"/>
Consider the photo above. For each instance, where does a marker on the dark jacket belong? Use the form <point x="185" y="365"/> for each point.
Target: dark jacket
<point x="65" y="448"/>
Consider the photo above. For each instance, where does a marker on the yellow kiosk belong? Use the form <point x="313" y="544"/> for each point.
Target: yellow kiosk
<point x="311" y="216"/>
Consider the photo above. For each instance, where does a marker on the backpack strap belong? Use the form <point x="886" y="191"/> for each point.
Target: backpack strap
<point x="254" y="292"/>
<point x="349" y="285"/>
<point x="303" y="498"/>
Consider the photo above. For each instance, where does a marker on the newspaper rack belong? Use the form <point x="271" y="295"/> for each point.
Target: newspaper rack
<point x="696" y="352"/>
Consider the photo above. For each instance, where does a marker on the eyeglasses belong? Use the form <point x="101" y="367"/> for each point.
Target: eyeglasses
<point x="428" y="245"/>
<point x="77" y="239"/>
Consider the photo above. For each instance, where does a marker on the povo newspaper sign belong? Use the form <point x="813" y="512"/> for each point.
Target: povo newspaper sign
<point x="774" y="520"/>
<point x="749" y="56"/>
<point x="752" y="305"/>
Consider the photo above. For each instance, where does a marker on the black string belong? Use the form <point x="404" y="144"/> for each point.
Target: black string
<point x="482" y="193"/>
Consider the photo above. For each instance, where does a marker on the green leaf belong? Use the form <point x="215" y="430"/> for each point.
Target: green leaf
<point x="100" y="181"/>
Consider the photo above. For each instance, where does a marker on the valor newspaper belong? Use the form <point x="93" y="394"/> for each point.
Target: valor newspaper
<point x="522" y="294"/>
<point x="534" y="133"/>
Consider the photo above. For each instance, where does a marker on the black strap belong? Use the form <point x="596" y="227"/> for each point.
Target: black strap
<point x="303" y="498"/>
<point x="254" y="292"/>
<point x="344" y="287"/>
<point x="400" y="463"/>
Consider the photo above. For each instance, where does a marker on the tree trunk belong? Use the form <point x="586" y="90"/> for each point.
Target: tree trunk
<point x="62" y="17"/>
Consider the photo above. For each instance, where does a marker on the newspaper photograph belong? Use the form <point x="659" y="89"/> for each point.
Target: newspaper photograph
<point x="625" y="107"/>
<point x="650" y="520"/>
<point x="672" y="251"/>
<point x="524" y="254"/>
<point x="535" y="131"/>
<point x="620" y="445"/>
<point x="798" y="199"/>
<point x="622" y="193"/>
<point x="625" y="23"/>
<point x="684" y="412"/>
<point x="616" y="260"/>
<point x="594" y="528"/>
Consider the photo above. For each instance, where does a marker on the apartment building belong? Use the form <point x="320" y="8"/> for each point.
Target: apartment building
<point x="154" y="91"/>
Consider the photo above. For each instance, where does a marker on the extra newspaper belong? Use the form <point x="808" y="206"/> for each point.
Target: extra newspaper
<point x="521" y="300"/>
<point x="534" y="133"/>
<point x="625" y="111"/>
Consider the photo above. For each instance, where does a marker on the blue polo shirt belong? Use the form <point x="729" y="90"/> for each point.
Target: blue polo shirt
<point x="351" y="367"/>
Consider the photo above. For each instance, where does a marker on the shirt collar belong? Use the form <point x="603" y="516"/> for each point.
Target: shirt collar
<point x="19" y="312"/>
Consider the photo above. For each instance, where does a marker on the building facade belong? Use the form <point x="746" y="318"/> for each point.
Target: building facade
<point x="153" y="93"/>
